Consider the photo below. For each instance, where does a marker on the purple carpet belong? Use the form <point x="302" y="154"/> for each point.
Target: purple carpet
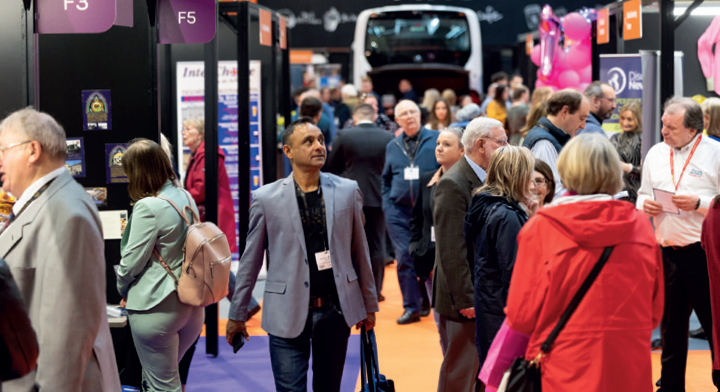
<point x="249" y="370"/>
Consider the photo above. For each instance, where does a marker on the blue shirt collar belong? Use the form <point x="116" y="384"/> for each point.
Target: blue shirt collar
<point x="477" y="169"/>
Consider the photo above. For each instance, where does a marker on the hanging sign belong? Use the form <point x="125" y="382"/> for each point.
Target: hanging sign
<point x="74" y="16"/>
<point x="603" y="26"/>
<point x="632" y="20"/>
<point x="124" y="13"/>
<point x="283" y="32"/>
<point x="265" y="27"/>
<point x="186" y="21"/>
<point x="529" y="44"/>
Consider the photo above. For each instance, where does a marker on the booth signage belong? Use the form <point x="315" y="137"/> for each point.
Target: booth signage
<point x="529" y="44"/>
<point x="283" y="32"/>
<point x="265" y="27"/>
<point x="124" y="9"/>
<point x="74" y="16"/>
<point x="186" y="21"/>
<point x="624" y="73"/>
<point x="632" y="19"/>
<point x="603" y="26"/>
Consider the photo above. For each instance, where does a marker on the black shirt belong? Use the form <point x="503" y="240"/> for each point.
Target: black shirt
<point x="322" y="283"/>
<point x="411" y="143"/>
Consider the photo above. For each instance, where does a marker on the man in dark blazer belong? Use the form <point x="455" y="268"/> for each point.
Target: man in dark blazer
<point x="358" y="153"/>
<point x="453" y="296"/>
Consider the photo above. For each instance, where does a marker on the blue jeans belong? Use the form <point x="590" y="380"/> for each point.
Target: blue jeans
<point x="398" y="226"/>
<point x="326" y="335"/>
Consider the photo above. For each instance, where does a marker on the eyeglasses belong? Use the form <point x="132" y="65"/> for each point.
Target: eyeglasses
<point x="502" y="142"/>
<point x="9" y="146"/>
<point x="538" y="182"/>
<point x="613" y="100"/>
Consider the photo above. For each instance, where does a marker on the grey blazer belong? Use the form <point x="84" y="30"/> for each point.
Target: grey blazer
<point x="276" y="227"/>
<point x="55" y="250"/>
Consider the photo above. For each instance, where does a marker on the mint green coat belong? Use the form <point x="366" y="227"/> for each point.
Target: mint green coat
<point x="154" y="223"/>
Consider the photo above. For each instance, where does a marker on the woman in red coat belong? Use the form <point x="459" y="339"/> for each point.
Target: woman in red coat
<point x="193" y="138"/>
<point x="604" y="346"/>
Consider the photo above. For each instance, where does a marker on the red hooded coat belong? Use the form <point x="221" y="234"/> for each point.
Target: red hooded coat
<point x="606" y="343"/>
<point x="195" y="184"/>
<point x="711" y="244"/>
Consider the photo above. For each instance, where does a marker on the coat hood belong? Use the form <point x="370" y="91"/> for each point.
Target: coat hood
<point x="481" y="206"/>
<point x="593" y="221"/>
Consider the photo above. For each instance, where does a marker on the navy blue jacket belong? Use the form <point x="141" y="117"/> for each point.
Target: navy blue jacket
<point x="395" y="189"/>
<point x="545" y="130"/>
<point x="592" y="125"/>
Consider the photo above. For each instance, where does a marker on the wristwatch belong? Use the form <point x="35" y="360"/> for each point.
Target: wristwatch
<point x="698" y="204"/>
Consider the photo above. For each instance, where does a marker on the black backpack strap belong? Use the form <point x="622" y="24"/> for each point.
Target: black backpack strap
<point x="572" y="306"/>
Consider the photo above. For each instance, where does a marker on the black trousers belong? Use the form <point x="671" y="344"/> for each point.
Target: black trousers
<point x="687" y="287"/>
<point x="375" y="232"/>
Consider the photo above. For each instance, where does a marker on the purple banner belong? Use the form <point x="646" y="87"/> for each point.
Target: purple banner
<point x="186" y="21"/>
<point x="74" y="16"/>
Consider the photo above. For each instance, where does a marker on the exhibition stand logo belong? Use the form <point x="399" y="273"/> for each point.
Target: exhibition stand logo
<point x="619" y="80"/>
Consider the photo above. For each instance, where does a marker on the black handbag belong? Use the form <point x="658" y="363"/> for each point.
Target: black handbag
<point x="524" y="374"/>
<point x="372" y="380"/>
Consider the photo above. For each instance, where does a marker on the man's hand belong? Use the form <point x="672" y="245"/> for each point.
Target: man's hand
<point x="627" y="168"/>
<point x="469" y="312"/>
<point x="123" y="302"/>
<point x="652" y="208"/>
<point x="685" y="202"/>
<point x="369" y="322"/>
<point x="234" y="327"/>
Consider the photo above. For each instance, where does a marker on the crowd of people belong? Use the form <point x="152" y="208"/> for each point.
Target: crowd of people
<point x="496" y="212"/>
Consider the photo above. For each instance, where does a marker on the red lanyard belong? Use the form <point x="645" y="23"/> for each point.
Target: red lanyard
<point x="672" y="163"/>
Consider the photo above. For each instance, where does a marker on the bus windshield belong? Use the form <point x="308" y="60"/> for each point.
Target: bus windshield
<point x="403" y="37"/>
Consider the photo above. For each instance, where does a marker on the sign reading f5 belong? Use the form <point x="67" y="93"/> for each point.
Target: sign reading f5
<point x="186" y="21"/>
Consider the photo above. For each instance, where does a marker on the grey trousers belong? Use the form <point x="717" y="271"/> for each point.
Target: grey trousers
<point x="161" y="336"/>
<point x="436" y="316"/>
<point x="461" y="365"/>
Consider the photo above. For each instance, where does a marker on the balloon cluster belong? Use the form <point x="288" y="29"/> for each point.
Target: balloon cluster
<point x="564" y="54"/>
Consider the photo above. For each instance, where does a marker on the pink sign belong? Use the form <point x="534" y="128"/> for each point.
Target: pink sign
<point x="186" y="21"/>
<point x="74" y="16"/>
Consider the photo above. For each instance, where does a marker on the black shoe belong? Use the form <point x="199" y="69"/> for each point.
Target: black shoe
<point x="381" y="298"/>
<point x="656" y="344"/>
<point x="409" y="317"/>
<point x="425" y="309"/>
<point x="657" y="384"/>
<point x="389" y="262"/>
<point x="253" y="312"/>
<point x="698" y="334"/>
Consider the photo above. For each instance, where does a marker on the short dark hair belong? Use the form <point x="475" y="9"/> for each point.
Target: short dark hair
<point x="498" y="76"/>
<point x="567" y="97"/>
<point x="693" y="118"/>
<point x="310" y="107"/>
<point x="147" y="167"/>
<point x="364" y="111"/>
<point x="518" y="91"/>
<point x="299" y="91"/>
<point x="544" y="169"/>
<point x="300" y="122"/>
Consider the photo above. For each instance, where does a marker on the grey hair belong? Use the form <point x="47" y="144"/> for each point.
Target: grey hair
<point x="406" y="100"/>
<point x="594" y="90"/>
<point x="40" y="127"/>
<point x="478" y="129"/>
<point x="693" y="118"/>
<point x="457" y="131"/>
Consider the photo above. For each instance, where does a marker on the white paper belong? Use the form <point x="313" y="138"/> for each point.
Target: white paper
<point x="412" y="173"/>
<point x="665" y="198"/>
<point x="432" y="233"/>
<point x="323" y="260"/>
<point x="113" y="223"/>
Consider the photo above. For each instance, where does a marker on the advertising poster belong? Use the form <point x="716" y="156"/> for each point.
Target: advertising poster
<point x="113" y="163"/>
<point x="75" y="156"/>
<point x="624" y="73"/>
<point x="113" y="223"/>
<point x="98" y="196"/>
<point x="97" y="113"/>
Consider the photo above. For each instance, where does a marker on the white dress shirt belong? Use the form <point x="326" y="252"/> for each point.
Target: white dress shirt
<point x="477" y="169"/>
<point x="701" y="178"/>
<point x="30" y="191"/>
<point x="545" y="151"/>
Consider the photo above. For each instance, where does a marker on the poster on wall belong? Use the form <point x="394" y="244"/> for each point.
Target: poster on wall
<point x="191" y="105"/>
<point x="113" y="163"/>
<point x="75" y="156"/>
<point x="624" y="73"/>
<point x="97" y="113"/>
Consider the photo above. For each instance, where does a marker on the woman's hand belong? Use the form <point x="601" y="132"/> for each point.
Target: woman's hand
<point x="627" y="168"/>
<point x="123" y="302"/>
<point x="533" y="205"/>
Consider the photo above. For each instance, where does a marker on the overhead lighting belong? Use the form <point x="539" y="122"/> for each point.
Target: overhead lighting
<point x="700" y="11"/>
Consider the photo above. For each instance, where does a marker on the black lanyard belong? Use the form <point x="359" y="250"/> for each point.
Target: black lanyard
<point x="33" y="198"/>
<point x="300" y="193"/>
<point x="407" y="148"/>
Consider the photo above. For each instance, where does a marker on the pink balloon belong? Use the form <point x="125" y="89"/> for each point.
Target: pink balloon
<point x="580" y="56"/>
<point x="535" y="55"/>
<point x="576" y="27"/>
<point x="586" y="74"/>
<point x="568" y="79"/>
<point x="583" y="86"/>
<point x="561" y="60"/>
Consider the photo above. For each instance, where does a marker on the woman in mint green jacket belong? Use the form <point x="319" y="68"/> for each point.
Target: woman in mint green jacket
<point x="162" y="327"/>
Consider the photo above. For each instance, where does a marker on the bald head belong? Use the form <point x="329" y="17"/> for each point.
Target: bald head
<point x="407" y="115"/>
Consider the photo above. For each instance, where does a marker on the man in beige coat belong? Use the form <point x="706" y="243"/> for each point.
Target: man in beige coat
<point x="54" y="247"/>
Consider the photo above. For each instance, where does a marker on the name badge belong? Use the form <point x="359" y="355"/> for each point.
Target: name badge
<point x="323" y="260"/>
<point x="432" y="233"/>
<point x="412" y="173"/>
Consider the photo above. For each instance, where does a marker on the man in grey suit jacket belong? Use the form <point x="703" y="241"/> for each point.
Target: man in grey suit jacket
<point x="453" y="294"/>
<point x="319" y="278"/>
<point x="54" y="246"/>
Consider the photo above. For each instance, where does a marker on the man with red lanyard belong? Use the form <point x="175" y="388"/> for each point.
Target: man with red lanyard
<point x="680" y="177"/>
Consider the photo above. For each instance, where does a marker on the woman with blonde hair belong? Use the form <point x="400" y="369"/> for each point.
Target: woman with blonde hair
<point x="451" y="98"/>
<point x="537" y="111"/>
<point x="711" y="112"/>
<point x="628" y="145"/>
<point x="541" y="94"/>
<point x="431" y="95"/>
<point x="497" y="212"/>
<point x="558" y="248"/>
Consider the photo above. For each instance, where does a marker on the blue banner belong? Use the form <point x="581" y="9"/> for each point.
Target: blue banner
<point x="624" y="73"/>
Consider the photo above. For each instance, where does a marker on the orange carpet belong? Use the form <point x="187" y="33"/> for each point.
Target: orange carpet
<point x="410" y="354"/>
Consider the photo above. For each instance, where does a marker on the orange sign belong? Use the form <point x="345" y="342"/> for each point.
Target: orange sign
<point x="632" y="19"/>
<point x="301" y="56"/>
<point x="265" y="27"/>
<point x="283" y="32"/>
<point x="603" y="26"/>
<point x="529" y="43"/>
